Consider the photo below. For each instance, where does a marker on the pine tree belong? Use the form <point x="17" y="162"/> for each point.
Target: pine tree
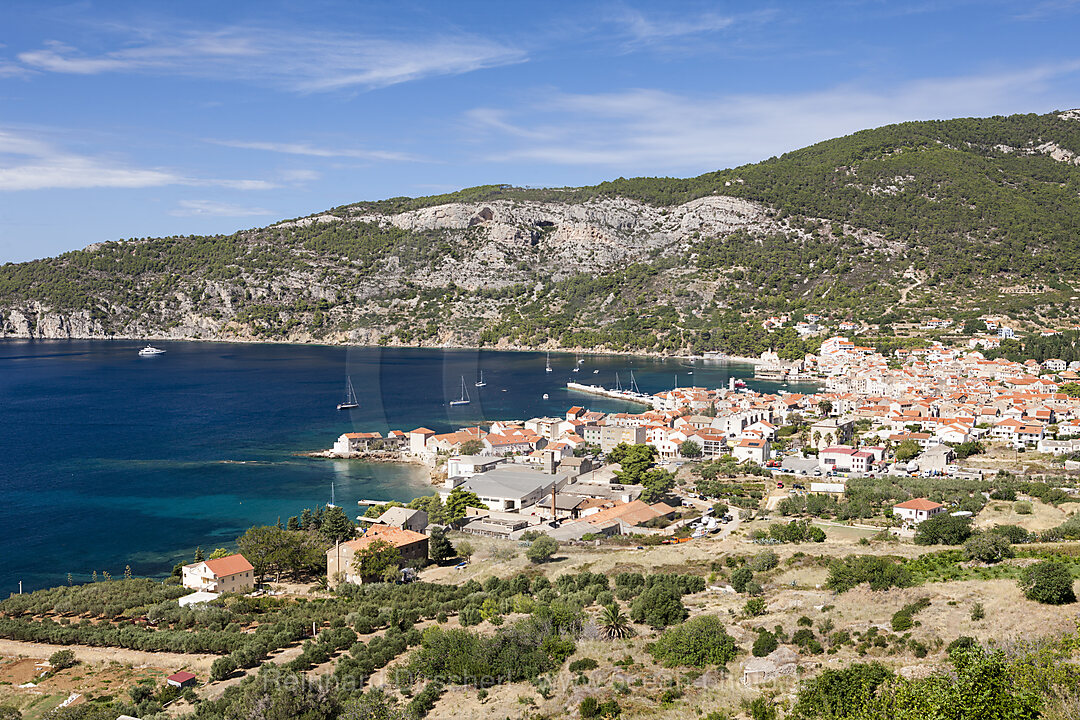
<point x="336" y="525"/>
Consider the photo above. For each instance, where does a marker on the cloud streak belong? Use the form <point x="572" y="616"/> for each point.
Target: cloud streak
<point x="653" y="131"/>
<point x="213" y="208"/>
<point x="643" y="28"/>
<point x="27" y="163"/>
<point x="308" y="150"/>
<point x="296" y="61"/>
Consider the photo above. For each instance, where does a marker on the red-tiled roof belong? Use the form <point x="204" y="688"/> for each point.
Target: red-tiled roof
<point x="181" y="677"/>
<point x="398" y="537"/>
<point x="918" y="504"/>
<point x="229" y="565"/>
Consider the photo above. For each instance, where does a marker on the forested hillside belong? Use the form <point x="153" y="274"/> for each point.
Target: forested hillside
<point x="884" y="228"/>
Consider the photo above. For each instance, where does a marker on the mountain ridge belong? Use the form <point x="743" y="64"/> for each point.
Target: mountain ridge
<point x="880" y="228"/>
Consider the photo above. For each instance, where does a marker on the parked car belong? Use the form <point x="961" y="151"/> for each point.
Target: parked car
<point x="780" y="485"/>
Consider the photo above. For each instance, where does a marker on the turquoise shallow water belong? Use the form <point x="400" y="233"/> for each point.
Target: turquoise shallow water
<point x="109" y="459"/>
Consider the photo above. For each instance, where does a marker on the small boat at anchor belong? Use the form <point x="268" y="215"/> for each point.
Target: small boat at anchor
<point x="350" y="400"/>
<point x="465" y="399"/>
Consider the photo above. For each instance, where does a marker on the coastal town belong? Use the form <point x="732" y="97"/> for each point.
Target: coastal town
<point x="924" y="411"/>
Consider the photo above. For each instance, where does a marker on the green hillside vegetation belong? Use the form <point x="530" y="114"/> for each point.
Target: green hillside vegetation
<point x="884" y="227"/>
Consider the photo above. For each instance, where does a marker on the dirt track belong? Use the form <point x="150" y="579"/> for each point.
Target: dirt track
<point x="196" y="662"/>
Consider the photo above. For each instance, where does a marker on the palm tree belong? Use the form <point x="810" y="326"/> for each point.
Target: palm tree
<point x="613" y="624"/>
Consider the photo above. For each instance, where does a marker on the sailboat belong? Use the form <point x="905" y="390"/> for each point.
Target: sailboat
<point x="548" y="368"/>
<point x="350" y="401"/>
<point x="332" y="498"/>
<point x="577" y="365"/>
<point x="464" y="395"/>
<point x="480" y="382"/>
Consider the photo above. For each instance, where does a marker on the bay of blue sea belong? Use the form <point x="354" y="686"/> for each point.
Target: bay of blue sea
<point x="109" y="459"/>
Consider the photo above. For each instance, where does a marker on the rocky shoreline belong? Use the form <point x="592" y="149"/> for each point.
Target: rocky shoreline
<point x="345" y="342"/>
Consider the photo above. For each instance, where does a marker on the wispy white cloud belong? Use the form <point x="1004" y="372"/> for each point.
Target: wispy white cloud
<point x="651" y="28"/>
<point x="10" y="69"/>
<point x="652" y="131"/>
<point x="213" y="208"/>
<point x="321" y="152"/>
<point x="299" y="175"/>
<point x="28" y="163"/>
<point x="295" y="60"/>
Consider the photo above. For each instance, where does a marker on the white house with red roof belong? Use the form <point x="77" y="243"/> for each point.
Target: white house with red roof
<point x="232" y="573"/>
<point x="418" y="440"/>
<point x="916" y="510"/>
<point x="752" y="449"/>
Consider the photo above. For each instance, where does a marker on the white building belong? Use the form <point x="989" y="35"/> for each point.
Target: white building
<point x="754" y="450"/>
<point x="916" y="510"/>
<point x="232" y="573"/>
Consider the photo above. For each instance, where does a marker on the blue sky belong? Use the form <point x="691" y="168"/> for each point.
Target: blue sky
<point x="132" y="119"/>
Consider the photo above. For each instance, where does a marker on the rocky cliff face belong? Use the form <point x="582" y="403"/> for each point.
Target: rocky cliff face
<point x="491" y="246"/>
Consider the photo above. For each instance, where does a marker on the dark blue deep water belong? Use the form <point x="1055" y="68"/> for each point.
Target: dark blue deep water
<point x="109" y="459"/>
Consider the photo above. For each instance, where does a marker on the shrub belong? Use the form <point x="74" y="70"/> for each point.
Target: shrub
<point x="803" y="636"/>
<point x="977" y="611"/>
<point x="1014" y="533"/>
<point x="1049" y="582"/>
<point x="881" y="572"/>
<point x="698" y="642"/>
<point x="591" y="708"/>
<point x="988" y="547"/>
<point x="62" y="659"/>
<point x="761" y="708"/>
<point x="903" y="619"/>
<point x="1023" y="507"/>
<point x="765" y="644"/>
<point x="960" y="644"/>
<point x="542" y="549"/>
<point x="628" y="585"/>
<point x="754" y="607"/>
<point x="659" y="606"/>
<point x="740" y="577"/>
<point x="839" y="693"/>
<point x="764" y="561"/>
<point x="222" y="668"/>
<point x="943" y="529"/>
<point x="583" y="664"/>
